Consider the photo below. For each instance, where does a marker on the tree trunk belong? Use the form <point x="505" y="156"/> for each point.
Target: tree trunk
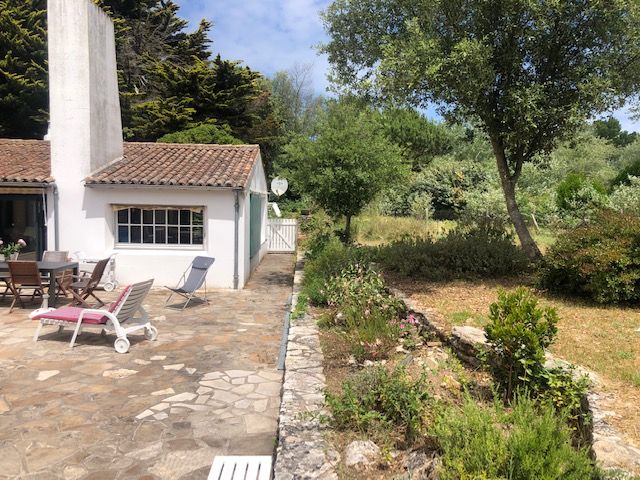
<point x="509" y="188"/>
<point x="347" y="230"/>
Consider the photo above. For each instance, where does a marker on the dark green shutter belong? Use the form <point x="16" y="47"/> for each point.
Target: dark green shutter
<point x="255" y="223"/>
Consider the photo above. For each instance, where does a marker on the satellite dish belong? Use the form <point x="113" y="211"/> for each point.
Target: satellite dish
<point x="279" y="186"/>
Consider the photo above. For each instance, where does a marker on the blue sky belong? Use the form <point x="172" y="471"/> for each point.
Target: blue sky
<point x="273" y="35"/>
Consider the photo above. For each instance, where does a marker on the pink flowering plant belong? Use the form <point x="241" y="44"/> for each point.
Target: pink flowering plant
<point x="11" y="248"/>
<point x="372" y="319"/>
<point x="409" y="329"/>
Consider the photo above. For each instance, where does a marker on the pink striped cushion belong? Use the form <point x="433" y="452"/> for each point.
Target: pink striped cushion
<point x="71" y="314"/>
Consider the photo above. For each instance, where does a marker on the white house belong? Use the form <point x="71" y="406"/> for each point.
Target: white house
<point x="154" y="205"/>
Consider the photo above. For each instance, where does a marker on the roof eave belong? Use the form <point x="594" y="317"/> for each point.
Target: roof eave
<point x="112" y="185"/>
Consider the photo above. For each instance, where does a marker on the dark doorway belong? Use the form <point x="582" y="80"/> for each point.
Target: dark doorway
<point x="23" y="216"/>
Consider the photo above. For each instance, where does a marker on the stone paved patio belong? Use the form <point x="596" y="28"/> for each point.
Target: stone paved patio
<point x="208" y="386"/>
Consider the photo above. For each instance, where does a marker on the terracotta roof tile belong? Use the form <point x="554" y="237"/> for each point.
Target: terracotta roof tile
<point x="180" y="164"/>
<point x="25" y="161"/>
<point x="143" y="164"/>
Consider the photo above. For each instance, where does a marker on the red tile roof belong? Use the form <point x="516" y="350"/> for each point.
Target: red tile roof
<point x="180" y="164"/>
<point x="143" y="164"/>
<point x="25" y="161"/>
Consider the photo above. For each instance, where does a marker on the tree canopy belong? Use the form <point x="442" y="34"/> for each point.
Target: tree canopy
<point x="526" y="72"/>
<point x="346" y="163"/>
<point x="24" y="99"/>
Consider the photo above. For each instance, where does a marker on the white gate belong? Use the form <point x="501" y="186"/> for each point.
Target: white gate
<point x="282" y="234"/>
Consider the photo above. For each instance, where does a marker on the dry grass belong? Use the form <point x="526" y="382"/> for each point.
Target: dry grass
<point x="373" y="229"/>
<point x="603" y="339"/>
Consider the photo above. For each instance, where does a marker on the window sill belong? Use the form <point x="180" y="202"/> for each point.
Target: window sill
<point x="151" y="246"/>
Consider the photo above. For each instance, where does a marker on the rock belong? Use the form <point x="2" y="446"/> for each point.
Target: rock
<point x="361" y="453"/>
<point x="469" y="335"/>
<point x="47" y="374"/>
<point x="181" y="397"/>
<point x="175" y="366"/>
<point x="158" y="357"/>
<point x="613" y="452"/>
<point x="120" y="373"/>
<point x="422" y="466"/>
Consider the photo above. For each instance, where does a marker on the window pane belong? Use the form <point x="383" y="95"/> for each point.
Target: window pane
<point x="173" y="217"/>
<point x="123" y="234"/>
<point x="161" y="217"/>
<point x="185" y="235"/>
<point x="185" y="217"/>
<point x="172" y="235"/>
<point x="161" y="234"/>
<point x="147" y="234"/>
<point x="147" y="217"/>
<point x="198" y="236"/>
<point x="136" y="234"/>
<point x="136" y="216"/>
<point x="123" y="216"/>
<point x="197" y="218"/>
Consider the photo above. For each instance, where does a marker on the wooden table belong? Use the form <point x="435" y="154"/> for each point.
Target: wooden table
<point x="50" y="268"/>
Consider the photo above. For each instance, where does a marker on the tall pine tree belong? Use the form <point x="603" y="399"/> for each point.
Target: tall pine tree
<point x="24" y="97"/>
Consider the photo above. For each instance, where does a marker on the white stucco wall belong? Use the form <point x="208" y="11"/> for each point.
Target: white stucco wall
<point x="94" y="236"/>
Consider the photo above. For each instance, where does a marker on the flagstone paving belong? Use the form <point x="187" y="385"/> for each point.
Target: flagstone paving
<point x="208" y="386"/>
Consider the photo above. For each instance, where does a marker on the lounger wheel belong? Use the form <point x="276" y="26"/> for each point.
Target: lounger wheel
<point x="151" y="333"/>
<point x="109" y="286"/>
<point x="121" y="345"/>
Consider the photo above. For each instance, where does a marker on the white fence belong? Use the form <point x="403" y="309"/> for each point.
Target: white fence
<point x="282" y="234"/>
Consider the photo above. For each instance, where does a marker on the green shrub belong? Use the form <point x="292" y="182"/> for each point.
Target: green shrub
<point x="374" y="401"/>
<point x="579" y="199"/>
<point x="524" y="443"/>
<point x="329" y="257"/>
<point x="365" y="310"/>
<point x="631" y="170"/>
<point x="465" y="252"/>
<point x="626" y="198"/>
<point x="422" y="206"/>
<point x="599" y="260"/>
<point x="517" y="335"/>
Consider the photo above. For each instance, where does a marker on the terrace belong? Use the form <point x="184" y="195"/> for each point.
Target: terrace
<point x="208" y="386"/>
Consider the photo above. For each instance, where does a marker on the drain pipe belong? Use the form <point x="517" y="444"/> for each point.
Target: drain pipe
<point x="236" y="246"/>
<point x="56" y="218"/>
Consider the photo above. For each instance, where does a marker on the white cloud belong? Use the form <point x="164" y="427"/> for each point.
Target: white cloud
<point x="268" y="35"/>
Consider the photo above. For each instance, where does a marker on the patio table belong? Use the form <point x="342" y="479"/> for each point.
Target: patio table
<point x="51" y="268"/>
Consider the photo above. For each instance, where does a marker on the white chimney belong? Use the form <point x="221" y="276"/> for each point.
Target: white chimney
<point x="86" y="126"/>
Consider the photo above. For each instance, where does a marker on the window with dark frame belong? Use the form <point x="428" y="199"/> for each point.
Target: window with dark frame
<point x="160" y="226"/>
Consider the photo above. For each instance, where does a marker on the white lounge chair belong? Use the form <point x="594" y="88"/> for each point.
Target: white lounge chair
<point x="120" y="318"/>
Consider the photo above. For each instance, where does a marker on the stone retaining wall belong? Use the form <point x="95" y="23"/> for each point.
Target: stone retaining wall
<point x="608" y="447"/>
<point x="302" y="450"/>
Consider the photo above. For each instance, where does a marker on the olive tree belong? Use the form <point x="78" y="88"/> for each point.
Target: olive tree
<point x="345" y="163"/>
<point x="527" y="72"/>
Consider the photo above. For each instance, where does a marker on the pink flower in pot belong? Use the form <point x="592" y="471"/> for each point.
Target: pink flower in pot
<point x="22" y="242"/>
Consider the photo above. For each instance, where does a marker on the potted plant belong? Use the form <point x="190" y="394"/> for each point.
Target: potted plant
<point x="10" y="251"/>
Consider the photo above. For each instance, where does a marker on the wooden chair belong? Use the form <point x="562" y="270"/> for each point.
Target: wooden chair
<point x="124" y="316"/>
<point x="84" y="287"/>
<point x="25" y="275"/>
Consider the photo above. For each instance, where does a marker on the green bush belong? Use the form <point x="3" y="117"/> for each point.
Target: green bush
<point x="524" y="443"/>
<point x="361" y="291"/>
<point x="626" y="198"/>
<point x="631" y="170"/>
<point x="468" y="251"/>
<point x="579" y="199"/>
<point x="517" y="336"/>
<point x="329" y="257"/>
<point x="422" y="206"/>
<point x="364" y="309"/>
<point x="599" y="260"/>
<point x="375" y="401"/>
